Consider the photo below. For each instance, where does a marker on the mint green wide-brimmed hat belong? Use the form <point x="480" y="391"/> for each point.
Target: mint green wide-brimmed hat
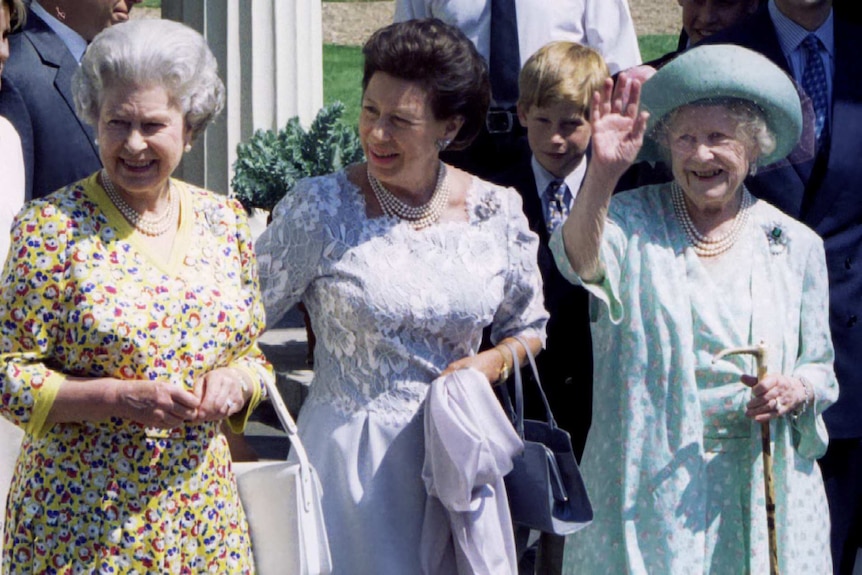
<point x="724" y="71"/>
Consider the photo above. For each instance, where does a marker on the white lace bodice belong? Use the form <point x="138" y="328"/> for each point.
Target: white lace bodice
<point x="392" y="306"/>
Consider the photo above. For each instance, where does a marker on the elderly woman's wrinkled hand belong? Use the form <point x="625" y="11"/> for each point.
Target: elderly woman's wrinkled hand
<point x="776" y="395"/>
<point x="618" y="126"/>
<point x="222" y="392"/>
<point x="156" y="403"/>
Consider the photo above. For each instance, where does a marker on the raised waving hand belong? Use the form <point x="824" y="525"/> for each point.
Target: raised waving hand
<point x="618" y="126"/>
<point x="618" y="133"/>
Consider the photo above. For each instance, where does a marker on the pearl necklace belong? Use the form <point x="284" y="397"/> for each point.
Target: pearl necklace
<point x="705" y="246"/>
<point x="418" y="216"/>
<point x="147" y="225"/>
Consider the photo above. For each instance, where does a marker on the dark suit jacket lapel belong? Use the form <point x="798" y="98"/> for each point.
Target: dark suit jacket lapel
<point x="846" y="128"/>
<point x="520" y="176"/>
<point x="533" y="205"/>
<point x="764" y="38"/>
<point x="682" y="43"/>
<point x="55" y="54"/>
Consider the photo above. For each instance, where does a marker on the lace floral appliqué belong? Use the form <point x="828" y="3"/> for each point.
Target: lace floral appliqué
<point x="777" y="237"/>
<point x="487" y="206"/>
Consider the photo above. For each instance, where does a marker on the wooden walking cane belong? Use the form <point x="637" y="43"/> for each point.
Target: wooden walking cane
<point x="759" y="353"/>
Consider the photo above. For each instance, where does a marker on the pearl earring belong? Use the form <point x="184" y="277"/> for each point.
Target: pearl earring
<point x="187" y="148"/>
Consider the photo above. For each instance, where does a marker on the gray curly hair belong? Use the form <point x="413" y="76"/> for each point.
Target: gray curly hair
<point x="151" y="53"/>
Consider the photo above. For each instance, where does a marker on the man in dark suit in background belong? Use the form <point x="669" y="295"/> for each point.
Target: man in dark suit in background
<point x="703" y="18"/>
<point x="822" y="51"/>
<point x="58" y="147"/>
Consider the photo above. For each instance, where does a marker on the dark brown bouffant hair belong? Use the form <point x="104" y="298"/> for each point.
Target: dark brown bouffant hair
<point x="440" y="58"/>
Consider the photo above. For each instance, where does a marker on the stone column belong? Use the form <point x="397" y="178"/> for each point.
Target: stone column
<point x="270" y="55"/>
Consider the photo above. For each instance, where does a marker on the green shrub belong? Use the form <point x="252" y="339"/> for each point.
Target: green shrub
<point x="269" y="163"/>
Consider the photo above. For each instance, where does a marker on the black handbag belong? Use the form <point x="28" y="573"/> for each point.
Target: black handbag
<point x="545" y="488"/>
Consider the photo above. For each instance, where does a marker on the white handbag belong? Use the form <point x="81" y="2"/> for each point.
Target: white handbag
<point x="282" y="503"/>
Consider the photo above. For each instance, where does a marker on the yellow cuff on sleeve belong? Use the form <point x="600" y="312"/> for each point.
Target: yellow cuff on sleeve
<point x="43" y="401"/>
<point x="238" y="420"/>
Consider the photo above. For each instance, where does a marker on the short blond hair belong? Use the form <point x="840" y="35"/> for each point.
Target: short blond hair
<point x="561" y="72"/>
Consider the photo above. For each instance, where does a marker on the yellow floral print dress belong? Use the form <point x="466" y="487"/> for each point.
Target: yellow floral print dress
<point x="81" y="296"/>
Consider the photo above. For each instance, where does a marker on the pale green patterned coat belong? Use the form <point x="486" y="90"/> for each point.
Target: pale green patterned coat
<point x="672" y="465"/>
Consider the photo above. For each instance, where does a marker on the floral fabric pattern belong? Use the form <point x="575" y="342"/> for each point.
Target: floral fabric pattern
<point x="83" y="297"/>
<point x="391" y="307"/>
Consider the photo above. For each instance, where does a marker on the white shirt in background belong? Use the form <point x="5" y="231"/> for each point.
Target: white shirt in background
<point x="604" y="25"/>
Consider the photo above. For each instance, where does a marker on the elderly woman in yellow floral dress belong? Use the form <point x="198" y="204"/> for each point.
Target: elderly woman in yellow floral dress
<point x="128" y="318"/>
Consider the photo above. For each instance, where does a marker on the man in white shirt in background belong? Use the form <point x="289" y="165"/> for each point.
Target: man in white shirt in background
<point x="604" y="25"/>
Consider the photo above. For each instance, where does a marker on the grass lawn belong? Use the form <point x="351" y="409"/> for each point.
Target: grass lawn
<point x="342" y="79"/>
<point x="656" y="45"/>
<point x="342" y="70"/>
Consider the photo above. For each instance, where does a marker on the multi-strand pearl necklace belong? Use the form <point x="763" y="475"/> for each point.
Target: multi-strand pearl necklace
<point x="418" y="216"/>
<point x="147" y="225"/>
<point x="705" y="246"/>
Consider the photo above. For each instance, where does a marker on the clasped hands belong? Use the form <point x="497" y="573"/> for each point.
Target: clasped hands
<point x="217" y="395"/>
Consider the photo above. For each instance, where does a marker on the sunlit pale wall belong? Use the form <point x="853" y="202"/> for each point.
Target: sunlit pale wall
<point x="271" y="60"/>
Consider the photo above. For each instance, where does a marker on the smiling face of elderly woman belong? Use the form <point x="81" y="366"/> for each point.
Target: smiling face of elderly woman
<point x="142" y="134"/>
<point x="712" y="148"/>
<point x="148" y="87"/>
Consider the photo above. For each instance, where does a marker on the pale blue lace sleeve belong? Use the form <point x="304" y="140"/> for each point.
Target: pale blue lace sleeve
<point x="523" y="308"/>
<point x="290" y="250"/>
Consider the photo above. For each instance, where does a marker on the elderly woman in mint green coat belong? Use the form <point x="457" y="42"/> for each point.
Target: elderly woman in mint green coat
<point x="679" y="272"/>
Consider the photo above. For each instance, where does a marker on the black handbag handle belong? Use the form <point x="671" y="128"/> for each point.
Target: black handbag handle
<point x="518" y="412"/>
<point x="555" y="476"/>
<point x="549" y="415"/>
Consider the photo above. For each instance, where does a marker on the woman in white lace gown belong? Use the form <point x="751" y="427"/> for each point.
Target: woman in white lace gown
<point x="401" y="262"/>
